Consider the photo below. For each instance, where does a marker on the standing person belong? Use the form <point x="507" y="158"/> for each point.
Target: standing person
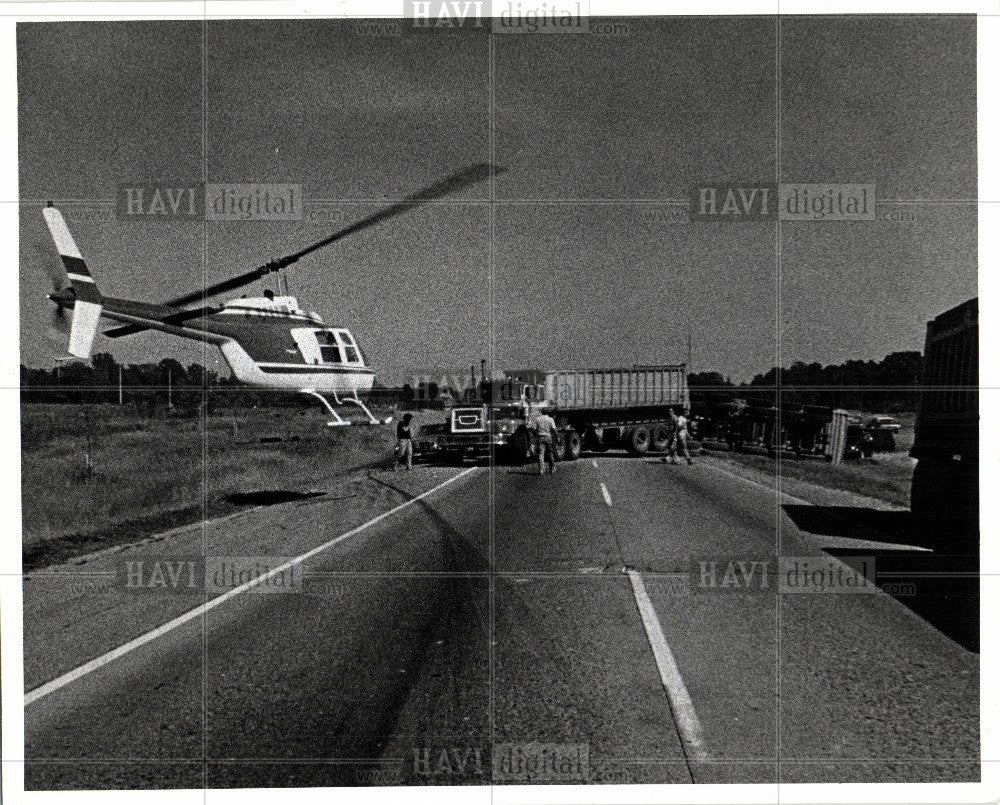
<point x="544" y="427"/>
<point x="681" y="435"/>
<point x="868" y="447"/>
<point x="404" y="443"/>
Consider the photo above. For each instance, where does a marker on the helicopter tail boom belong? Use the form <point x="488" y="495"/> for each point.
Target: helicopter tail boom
<point x="87" y="307"/>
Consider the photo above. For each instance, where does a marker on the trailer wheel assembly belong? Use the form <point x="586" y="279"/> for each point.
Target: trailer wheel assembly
<point x="660" y="438"/>
<point x="572" y="446"/>
<point x="638" y="440"/>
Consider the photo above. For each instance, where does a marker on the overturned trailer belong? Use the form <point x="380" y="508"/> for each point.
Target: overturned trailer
<point x="802" y="429"/>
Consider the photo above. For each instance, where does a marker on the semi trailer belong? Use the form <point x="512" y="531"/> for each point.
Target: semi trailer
<point x="945" y="487"/>
<point x="596" y="409"/>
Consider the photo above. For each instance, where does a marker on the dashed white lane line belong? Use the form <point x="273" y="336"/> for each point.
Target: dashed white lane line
<point x="607" y="495"/>
<point x="71" y="676"/>
<point x="680" y="701"/>
<point x="594" y="462"/>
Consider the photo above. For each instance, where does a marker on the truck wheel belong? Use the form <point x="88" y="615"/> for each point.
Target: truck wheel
<point x="660" y="438"/>
<point x="559" y="445"/>
<point x="572" y="446"/>
<point x="638" y="440"/>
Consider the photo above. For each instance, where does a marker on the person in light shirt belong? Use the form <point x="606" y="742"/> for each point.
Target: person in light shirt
<point x="544" y="428"/>
<point x="681" y="436"/>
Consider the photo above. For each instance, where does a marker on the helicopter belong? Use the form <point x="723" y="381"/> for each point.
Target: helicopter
<point x="268" y="341"/>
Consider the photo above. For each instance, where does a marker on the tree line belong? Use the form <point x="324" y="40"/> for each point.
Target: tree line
<point x="186" y="390"/>
<point x="889" y="385"/>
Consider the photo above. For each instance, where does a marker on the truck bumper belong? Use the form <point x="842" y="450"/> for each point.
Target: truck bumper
<point x="461" y="443"/>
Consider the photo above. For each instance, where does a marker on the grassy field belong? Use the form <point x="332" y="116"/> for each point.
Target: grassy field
<point x="93" y="476"/>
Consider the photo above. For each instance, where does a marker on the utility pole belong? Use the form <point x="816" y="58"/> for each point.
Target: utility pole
<point x="689" y="353"/>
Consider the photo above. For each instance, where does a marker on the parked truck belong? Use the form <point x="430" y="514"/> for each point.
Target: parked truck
<point x="945" y="486"/>
<point x="596" y="409"/>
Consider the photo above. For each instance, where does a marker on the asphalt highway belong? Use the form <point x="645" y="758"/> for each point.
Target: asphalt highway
<point x="623" y="621"/>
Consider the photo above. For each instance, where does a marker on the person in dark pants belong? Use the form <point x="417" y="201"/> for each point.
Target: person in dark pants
<point x="404" y="443"/>
<point x="868" y="447"/>
<point x="544" y="427"/>
<point x="681" y="436"/>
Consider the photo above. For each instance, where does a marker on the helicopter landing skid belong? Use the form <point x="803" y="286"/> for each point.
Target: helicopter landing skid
<point x="338" y="420"/>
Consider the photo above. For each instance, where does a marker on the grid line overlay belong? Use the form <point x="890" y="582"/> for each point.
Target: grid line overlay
<point x="204" y="407"/>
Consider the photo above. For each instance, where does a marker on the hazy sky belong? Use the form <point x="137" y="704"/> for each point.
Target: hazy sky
<point x="586" y="128"/>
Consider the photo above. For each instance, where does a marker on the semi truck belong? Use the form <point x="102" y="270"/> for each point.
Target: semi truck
<point x="596" y="409"/>
<point x="945" y="488"/>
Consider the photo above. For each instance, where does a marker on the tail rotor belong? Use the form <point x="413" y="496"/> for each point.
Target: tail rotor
<point x="78" y="285"/>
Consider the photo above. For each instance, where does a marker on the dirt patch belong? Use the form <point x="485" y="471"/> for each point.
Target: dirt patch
<point x="269" y="497"/>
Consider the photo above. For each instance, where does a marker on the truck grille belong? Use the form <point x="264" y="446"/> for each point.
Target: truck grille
<point x="468" y="420"/>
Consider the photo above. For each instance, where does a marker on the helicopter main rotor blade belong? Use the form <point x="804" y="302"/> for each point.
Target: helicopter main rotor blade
<point x="221" y="287"/>
<point x="452" y="184"/>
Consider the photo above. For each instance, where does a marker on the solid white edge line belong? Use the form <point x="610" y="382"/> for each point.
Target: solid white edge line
<point x="680" y="701"/>
<point x="71" y="676"/>
<point x="751" y="482"/>
<point x="607" y="495"/>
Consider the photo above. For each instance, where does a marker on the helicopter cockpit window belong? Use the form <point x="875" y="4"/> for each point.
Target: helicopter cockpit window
<point x="351" y="354"/>
<point x="328" y="348"/>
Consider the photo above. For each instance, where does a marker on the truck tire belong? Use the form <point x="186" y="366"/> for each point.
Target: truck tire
<point x="572" y="446"/>
<point x="559" y="445"/>
<point x="637" y="441"/>
<point x="660" y="438"/>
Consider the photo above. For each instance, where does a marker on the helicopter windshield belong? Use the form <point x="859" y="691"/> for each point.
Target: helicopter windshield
<point x="351" y="352"/>
<point x="321" y="346"/>
<point x="329" y="349"/>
